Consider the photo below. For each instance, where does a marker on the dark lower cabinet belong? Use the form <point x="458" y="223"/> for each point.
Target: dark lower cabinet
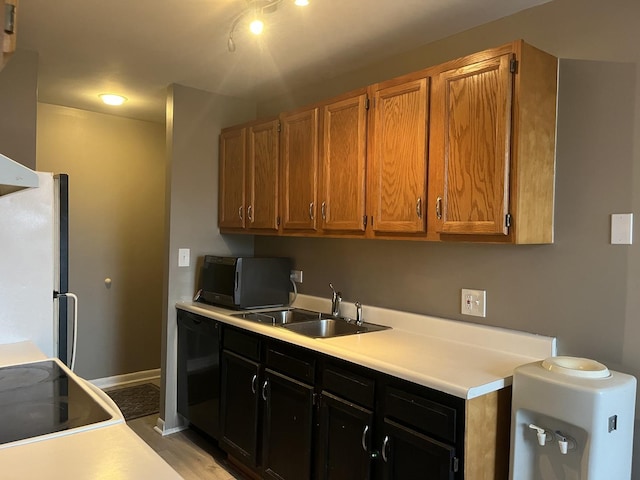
<point x="344" y="447"/>
<point x="409" y="455"/>
<point x="288" y="427"/>
<point x="199" y="371"/>
<point x="240" y="407"/>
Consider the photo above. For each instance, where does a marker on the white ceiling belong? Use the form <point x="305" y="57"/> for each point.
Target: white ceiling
<point x="138" y="47"/>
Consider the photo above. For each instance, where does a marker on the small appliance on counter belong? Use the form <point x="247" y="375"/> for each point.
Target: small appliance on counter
<point x="245" y="282"/>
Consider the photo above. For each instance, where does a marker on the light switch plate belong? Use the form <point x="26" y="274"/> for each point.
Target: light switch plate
<point x="184" y="255"/>
<point x="473" y="302"/>
<point x="622" y="228"/>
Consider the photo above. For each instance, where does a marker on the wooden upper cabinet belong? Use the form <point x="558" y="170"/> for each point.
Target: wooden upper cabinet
<point x="262" y="176"/>
<point x="492" y="146"/>
<point x="299" y="170"/>
<point x="232" y="152"/>
<point x="398" y="160"/>
<point x="343" y="156"/>
<point x="8" y="18"/>
<point x="472" y="140"/>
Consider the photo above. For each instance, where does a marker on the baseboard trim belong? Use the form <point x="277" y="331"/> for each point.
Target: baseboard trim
<point x="127" y="378"/>
<point x="159" y="428"/>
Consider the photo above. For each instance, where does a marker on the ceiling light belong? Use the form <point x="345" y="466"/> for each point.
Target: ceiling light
<point x="112" y="99"/>
<point x="256" y="8"/>
<point x="256" y="26"/>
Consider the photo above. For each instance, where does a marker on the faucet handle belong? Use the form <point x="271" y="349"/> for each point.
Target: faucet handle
<point x="358" y="313"/>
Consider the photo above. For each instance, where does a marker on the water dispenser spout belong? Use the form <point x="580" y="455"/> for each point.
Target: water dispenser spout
<point x="565" y="442"/>
<point x="541" y="433"/>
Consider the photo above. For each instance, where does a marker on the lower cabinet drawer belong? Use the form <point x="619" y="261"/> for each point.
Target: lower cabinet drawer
<point x="348" y="385"/>
<point x="421" y="413"/>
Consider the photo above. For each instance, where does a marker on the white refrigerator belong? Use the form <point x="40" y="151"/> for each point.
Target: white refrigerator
<point x="34" y="265"/>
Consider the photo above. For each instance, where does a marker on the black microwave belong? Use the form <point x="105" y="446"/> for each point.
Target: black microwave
<point x="245" y="282"/>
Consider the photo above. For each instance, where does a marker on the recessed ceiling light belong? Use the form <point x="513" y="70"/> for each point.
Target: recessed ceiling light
<point x="302" y="3"/>
<point x="111" y="99"/>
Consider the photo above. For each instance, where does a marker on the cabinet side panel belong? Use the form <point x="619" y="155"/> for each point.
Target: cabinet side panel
<point x="487" y="436"/>
<point x="534" y="125"/>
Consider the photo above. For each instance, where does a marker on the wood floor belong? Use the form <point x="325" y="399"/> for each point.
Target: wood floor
<point x="187" y="452"/>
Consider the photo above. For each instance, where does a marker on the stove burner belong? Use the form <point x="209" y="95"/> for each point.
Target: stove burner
<point x="39" y="398"/>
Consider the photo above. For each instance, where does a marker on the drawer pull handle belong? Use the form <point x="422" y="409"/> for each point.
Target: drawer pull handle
<point x="253" y="383"/>
<point x="439" y="208"/>
<point x="419" y="207"/>
<point x="250" y="213"/>
<point x="364" y="437"/>
<point x="240" y="212"/>
<point x="324" y="210"/>
<point x="264" y="390"/>
<point x="385" y="444"/>
<point x="311" y="211"/>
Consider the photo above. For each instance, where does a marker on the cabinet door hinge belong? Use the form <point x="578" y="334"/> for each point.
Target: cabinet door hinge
<point x="513" y="66"/>
<point x="366" y="103"/>
<point x="364" y="221"/>
<point x="316" y="399"/>
<point x="454" y="464"/>
<point x="279" y="127"/>
<point x="507" y="220"/>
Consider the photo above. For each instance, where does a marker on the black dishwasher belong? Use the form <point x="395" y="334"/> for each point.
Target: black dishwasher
<point x="199" y="371"/>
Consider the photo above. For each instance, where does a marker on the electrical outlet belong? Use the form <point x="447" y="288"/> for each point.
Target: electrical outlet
<point x="296" y="276"/>
<point x="473" y="302"/>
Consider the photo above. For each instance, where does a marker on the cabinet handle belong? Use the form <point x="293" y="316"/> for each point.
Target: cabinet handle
<point x="385" y="444"/>
<point x="253" y="383"/>
<point x="264" y="390"/>
<point x="311" y="210"/>
<point x="364" y="437"/>
<point x="250" y="213"/>
<point x="439" y="208"/>
<point x="324" y="210"/>
<point x="240" y="212"/>
<point x="419" y="207"/>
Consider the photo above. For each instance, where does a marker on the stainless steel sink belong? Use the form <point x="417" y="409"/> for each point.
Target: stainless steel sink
<point x="280" y="317"/>
<point x="331" y="327"/>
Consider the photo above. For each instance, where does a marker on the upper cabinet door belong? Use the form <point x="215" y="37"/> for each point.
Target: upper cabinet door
<point x="231" y="182"/>
<point x="299" y="147"/>
<point x="9" y="20"/>
<point x="470" y="147"/>
<point x="262" y="176"/>
<point x="344" y="143"/>
<point x="399" y="157"/>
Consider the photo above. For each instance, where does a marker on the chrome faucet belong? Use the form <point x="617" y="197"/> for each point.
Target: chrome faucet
<point x="358" y="313"/>
<point x="336" y="298"/>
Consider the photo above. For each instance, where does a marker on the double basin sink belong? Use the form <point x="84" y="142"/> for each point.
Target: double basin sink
<point x="309" y="323"/>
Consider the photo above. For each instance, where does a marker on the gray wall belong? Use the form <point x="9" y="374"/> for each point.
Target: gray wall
<point x="581" y="289"/>
<point x="18" y="99"/>
<point x="194" y="121"/>
<point x="116" y="223"/>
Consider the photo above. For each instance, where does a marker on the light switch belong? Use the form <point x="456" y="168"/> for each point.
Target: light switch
<point x="622" y="228"/>
<point x="183" y="257"/>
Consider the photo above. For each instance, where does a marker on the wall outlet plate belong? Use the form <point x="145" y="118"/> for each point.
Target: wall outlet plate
<point x="473" y="302"/>
<point x="296" y="276"/>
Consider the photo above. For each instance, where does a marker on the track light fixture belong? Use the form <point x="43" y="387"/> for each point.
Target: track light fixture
<point x="258" y="8"/>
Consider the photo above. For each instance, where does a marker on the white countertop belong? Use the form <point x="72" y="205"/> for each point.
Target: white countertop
<point x="462" y="359"/>
<point x="107" y="450"/>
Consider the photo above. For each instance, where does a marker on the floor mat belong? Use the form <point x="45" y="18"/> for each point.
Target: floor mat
<point x="137" y="401"/>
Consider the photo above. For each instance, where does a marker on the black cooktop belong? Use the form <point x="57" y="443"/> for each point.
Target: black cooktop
<point x="40" y="398"/>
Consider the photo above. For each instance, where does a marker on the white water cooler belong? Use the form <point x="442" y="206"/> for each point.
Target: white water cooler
<point x="571" y="419"/>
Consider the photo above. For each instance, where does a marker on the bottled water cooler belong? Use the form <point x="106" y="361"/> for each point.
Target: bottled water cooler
<point x="571" y="419"/>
